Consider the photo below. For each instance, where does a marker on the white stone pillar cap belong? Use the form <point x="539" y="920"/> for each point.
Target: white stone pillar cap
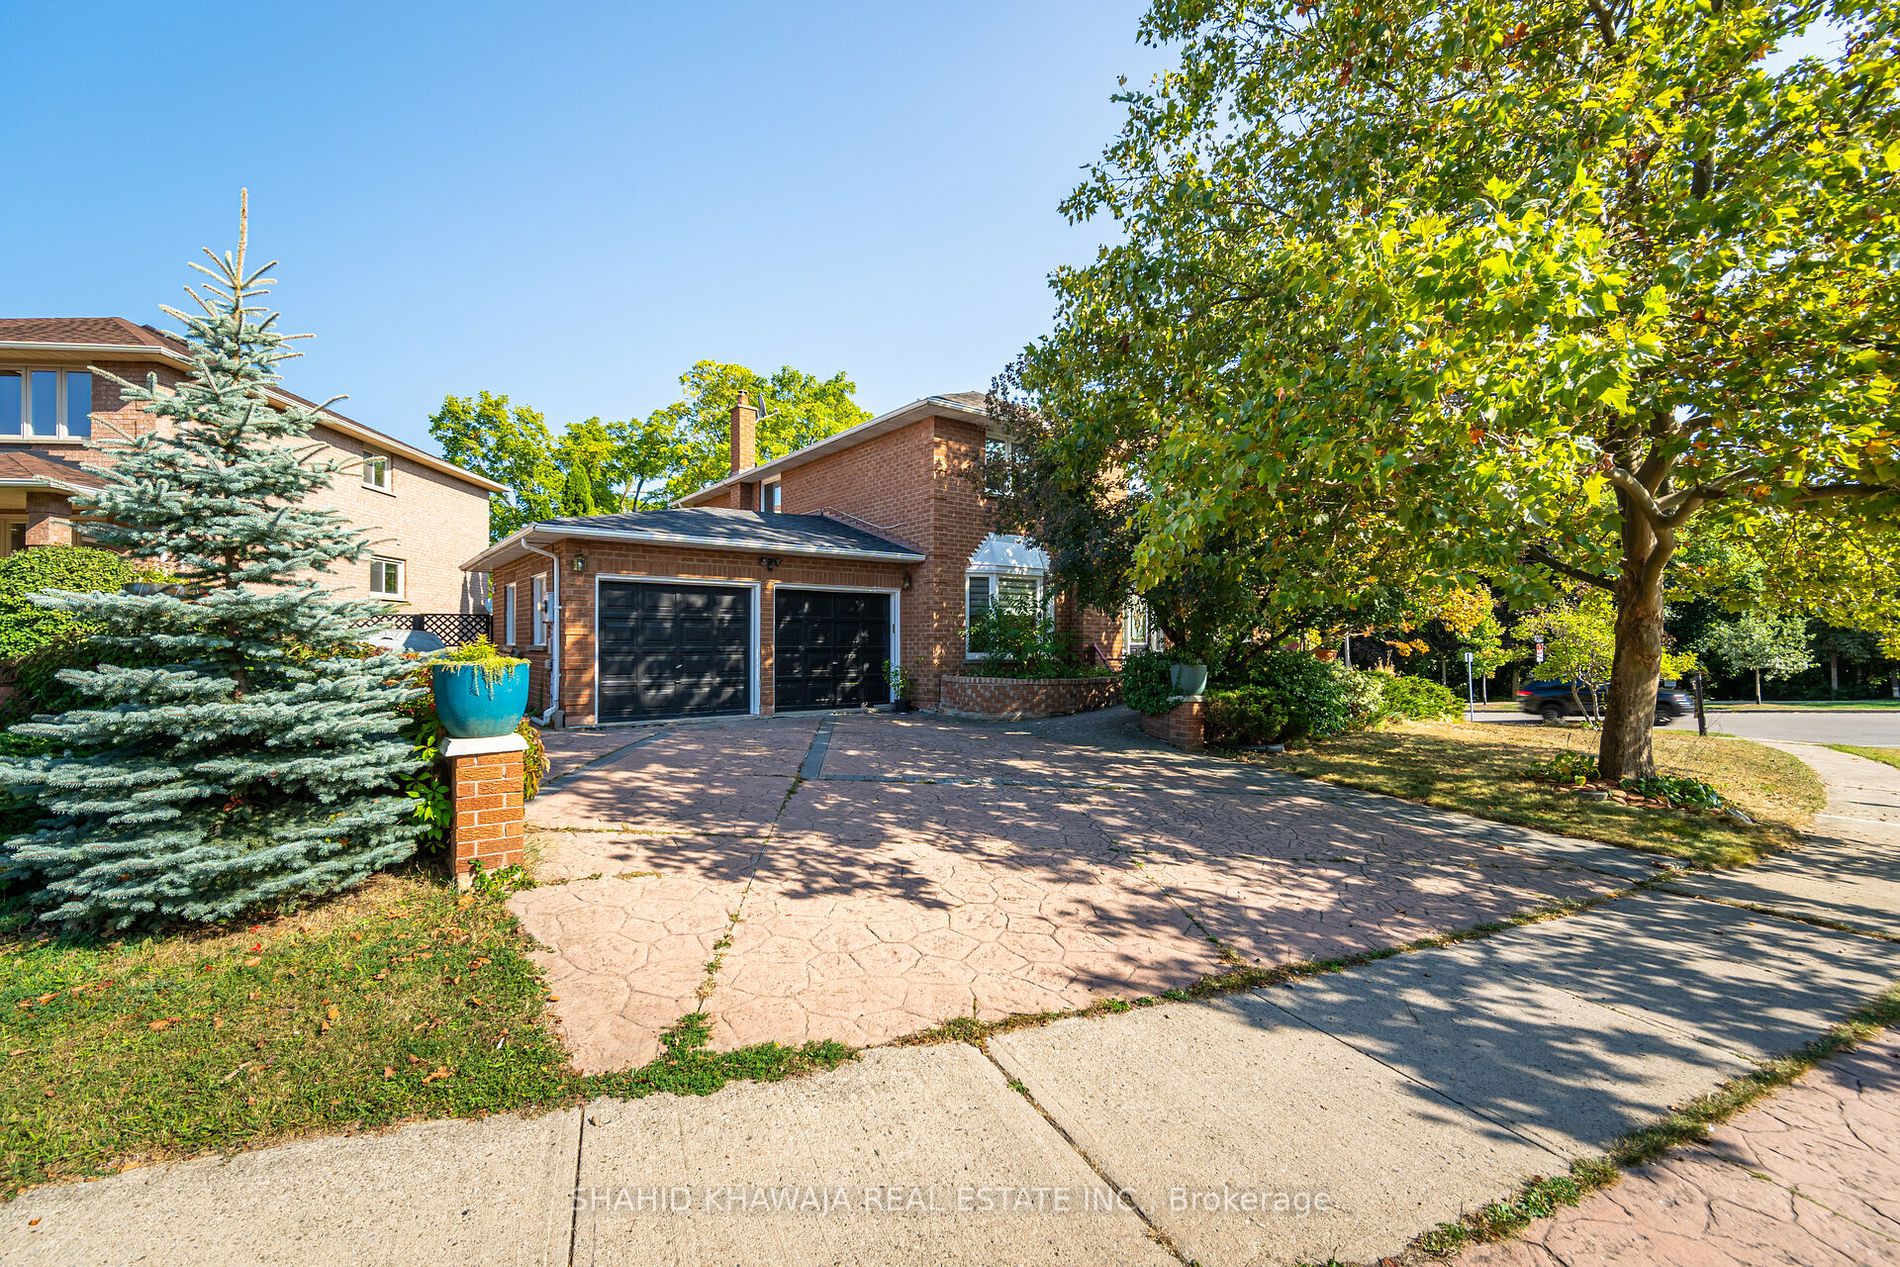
<point x="481" y="747"/>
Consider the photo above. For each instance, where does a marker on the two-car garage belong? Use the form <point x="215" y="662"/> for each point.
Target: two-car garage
<point x="670" y="648"/>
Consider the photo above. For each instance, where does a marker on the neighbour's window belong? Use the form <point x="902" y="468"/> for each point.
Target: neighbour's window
<point x="538" y="610"/>
<point x="46" y="404"/>
<point x="375" y="471"/>
<point x="16" y="536"/>
<point x="988" y="589"/>
<point x="385" y="577"/>
<point x="508" y="615"/>
<point x="768" y="496"/>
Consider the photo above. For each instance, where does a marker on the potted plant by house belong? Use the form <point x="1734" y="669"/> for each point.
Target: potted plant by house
<point x="901" y="701"/>
<point x="479" y="692"/>
<point x="1188" y="679"/>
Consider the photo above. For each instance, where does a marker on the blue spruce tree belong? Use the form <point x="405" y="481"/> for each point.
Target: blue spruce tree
<point x="237" y="745"/>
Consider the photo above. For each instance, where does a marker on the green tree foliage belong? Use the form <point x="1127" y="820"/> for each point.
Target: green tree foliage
<point x="233" y="745"/>
<point x="25" y="626"/>
<point x="1762" y="643"/>
<point x="596" y="467"/>
<point x="795" y="409"/>
<point x="510" y="444"/>
<point x="1578" y="284"/>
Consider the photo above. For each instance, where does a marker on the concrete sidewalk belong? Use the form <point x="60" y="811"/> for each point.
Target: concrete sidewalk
<point x="1336" y="1117"/>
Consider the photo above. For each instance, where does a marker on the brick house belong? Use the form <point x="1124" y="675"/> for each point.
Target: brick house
<point x="787" y="585"/>
<point x="422" y="515"/>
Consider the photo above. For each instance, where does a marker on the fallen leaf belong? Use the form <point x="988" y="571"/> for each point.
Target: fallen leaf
<point x="252" y="962"/>
<point x="437" y="1074"/>
<point x="389" y="1071"/>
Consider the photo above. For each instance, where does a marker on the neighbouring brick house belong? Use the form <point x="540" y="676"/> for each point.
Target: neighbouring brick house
<point x="422" y="515"/>
<point x="786" y="586"/>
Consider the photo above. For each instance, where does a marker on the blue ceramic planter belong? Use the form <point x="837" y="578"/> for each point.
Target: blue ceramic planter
<point x="473" y="704"/>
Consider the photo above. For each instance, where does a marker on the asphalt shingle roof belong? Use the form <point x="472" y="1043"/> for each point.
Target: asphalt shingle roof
<point x="747" y="529"/>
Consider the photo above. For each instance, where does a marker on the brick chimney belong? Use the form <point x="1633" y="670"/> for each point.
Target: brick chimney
<point x="745" y="435"/>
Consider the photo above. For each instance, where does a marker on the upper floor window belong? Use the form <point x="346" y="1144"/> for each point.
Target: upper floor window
<point x="1000" y="460"/>
<point x="385" y="577"/>
<point x="376" y="472"/>
<point x="768" y="496"/>
<point x="45" y="404"/>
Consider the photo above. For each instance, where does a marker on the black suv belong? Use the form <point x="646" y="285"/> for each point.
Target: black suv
<point x="1553" y="702"/>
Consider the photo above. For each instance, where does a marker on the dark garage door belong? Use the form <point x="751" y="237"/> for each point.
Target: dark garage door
<point x="829" y="649"/>
<point x="674" y="650"/>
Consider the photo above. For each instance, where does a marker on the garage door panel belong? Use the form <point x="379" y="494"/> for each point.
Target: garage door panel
<point x="671" y="650"/>
<point x="829" y="648"/>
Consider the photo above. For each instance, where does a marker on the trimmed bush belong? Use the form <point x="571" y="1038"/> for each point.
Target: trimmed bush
<point x="1314" y="694"/>
<point x="1365" y="696"/>
<point x="1146" y="687"/>
<point x="26" y="627"/>
<point x="1417" y="699"/>
<point x="1243" y="717"/>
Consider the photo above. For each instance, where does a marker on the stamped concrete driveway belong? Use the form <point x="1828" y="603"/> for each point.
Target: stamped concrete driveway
<point x="861" y="877"/>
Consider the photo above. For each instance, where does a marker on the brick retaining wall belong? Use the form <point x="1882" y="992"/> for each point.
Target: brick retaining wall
<point x="1012" y="699"/>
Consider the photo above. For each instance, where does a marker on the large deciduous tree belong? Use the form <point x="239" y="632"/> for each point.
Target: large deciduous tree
<point x="1547" y="289"/>
<point x="795" y="409"/>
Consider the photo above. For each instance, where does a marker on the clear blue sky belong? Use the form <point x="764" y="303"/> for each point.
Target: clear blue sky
<point x="570" y="203"/>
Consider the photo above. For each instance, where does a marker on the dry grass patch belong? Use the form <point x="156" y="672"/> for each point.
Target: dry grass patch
<point x="1479" y="768"/>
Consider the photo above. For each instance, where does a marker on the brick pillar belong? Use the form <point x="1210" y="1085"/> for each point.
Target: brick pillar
<point x="49" y="519"/>
<point x="485" y="793"/>
<point x="1184" y="725"/>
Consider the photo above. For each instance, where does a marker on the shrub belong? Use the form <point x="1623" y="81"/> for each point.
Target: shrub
<point x="1147" y="685"/>
<point x="1019" y="632"/>
<point x="1244" y="716"/>
<point x="25" y="627"/>
<point x="1564" y="767"/>
<point x="1675" y="790"/>
<point x="1365" y="696"/>
<point x="1417" y="699"/>
<point x="37" y="687"/>
<point x="1314" y="694"/>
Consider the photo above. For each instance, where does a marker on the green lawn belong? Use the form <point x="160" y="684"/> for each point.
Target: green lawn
<point x="1888" y="756"/>
<point x="1479" y="769"/>
<point x="397" y="1001"/>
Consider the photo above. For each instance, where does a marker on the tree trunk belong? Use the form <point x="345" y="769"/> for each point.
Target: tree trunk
<point x="1833" y="674"/>
<point x="1758" y="686"/>
<point x="1630" y="715"/>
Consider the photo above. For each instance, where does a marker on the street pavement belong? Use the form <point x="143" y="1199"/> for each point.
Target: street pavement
<point x="1868" y="728"/>
<point x="1334" y="1117"/>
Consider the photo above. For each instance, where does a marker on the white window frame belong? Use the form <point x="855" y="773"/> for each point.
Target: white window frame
<point x="774" y="508"/>
<point x="371" y="459"/>
<point x="537" y="610"/>
<point x="994" y="576"/>
<point x="61" y="430"/>
<point x="402" y="576"/>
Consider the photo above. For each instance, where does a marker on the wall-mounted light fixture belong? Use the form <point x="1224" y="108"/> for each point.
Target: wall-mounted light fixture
<point x="769" y="562"/>
<point x="580" y="563"/>
<point x="907" y="580"/>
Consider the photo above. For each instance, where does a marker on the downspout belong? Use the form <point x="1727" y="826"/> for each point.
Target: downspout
<point x="554" y="630"/>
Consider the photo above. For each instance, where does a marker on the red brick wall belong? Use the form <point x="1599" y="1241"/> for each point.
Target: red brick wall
<point x="921" y="483"/>
<point x="576" y="629"/>
<point x="998" y="699"/>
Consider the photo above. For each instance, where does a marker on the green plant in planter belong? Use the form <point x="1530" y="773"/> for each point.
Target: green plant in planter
<point x="900" y="680"/>
<point x="481" y="655"/>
